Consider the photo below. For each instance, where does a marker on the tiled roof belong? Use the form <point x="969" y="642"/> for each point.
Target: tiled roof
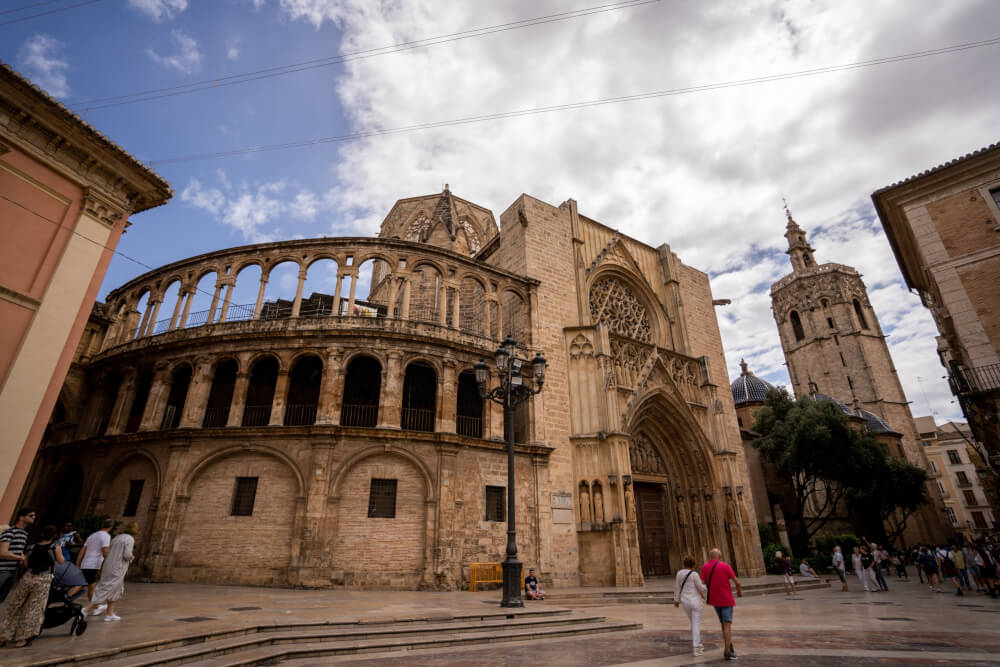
<point x="748" y="388"/>
<point x="60" y="107"/>
<point x="949" y="163"/>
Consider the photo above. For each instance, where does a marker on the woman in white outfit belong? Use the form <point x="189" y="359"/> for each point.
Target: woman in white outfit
<point x="858" y="568"/>
<point x="111" y="586"/>
<point x="689" y="592"/>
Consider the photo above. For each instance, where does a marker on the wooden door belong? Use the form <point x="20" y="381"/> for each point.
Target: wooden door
<point x="651" y="516"/>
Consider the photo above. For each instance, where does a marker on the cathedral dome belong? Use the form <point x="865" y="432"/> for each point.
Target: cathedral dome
<point x="748" y="388"/>
<point x="875" y="423"/>
<point x="823" y="398"/>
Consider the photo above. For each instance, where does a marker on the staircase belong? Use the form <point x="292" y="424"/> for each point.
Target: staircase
<point x="272" y="644"/>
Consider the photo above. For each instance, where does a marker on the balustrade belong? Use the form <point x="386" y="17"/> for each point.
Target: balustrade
<point x="359" y="414"/>
<point x="300" y="415"/>
<point x="470" y="427"/>
<point x="257" y="415"/>
<point x="215" y="417"/>
<point x="416" y="419"/>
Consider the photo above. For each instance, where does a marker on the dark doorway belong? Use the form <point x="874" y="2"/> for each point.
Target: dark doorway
<point x="179" y="385"/>
<point x="419" y="397"/>
<point x="221" y="394"/>
<point x="66" y="496"/>
<point x="303" y="392"/>
<point x="260" y="393"/>
<point x="653" y="539"/>
<point x="469" y="415"/>
<point x="361" y="393"/>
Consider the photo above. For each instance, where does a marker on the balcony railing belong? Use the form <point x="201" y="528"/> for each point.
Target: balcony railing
<point x="470" y="427"/>
<point x="300" y="415"/>
<point x="216" y="417"/>
<point x="359" y="414"/>
<point x="256" y="415"/>
<point x="979" y="380"/>
<point x="416" y="419"/>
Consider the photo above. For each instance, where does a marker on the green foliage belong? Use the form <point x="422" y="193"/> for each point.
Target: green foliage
<point x="767" y="534"/>
<point x="846" y="542"/>
<point x="770" y="562"/>
<point x="896" y="491"/>
<point x="821" y="561"/>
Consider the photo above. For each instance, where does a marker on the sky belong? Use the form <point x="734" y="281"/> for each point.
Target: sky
<point x="703" y="171"/>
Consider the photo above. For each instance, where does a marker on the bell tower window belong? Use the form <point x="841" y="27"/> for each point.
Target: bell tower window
<point x="861" y="314"/>
<point x="797" y="326"/>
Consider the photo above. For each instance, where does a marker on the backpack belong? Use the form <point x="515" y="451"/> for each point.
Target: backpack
<point x="40" y="559"/>
<point x="948" y="563"/>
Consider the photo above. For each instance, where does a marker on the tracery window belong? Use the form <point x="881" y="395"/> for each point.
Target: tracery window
<point x="616" y="306"/>
<point x="419" y="229"/>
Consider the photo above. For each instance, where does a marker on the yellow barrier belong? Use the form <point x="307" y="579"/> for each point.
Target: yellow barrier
<point x="484" y="573"/>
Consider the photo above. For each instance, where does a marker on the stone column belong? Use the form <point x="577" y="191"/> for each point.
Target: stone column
<point x="187" y="309"/>
<point x="239" y="399"/>
<point x="197" y="396"/>
<point x="164" y="528"/>
<point x="393" y="294"/>
<point x="331" y="389"/>
<point x="177" y="309"/>
<point x="278" y="402"/>
<point x="486" y="315"/>
<point x="215" y="302"/>
<point x="297" y="304"/>
<point x="448" y="398"/>
<point x="336" y="294"/>
<point x="150" y="328"/>
<point x="391" y="397"/>
<point x="141" y="331"/>
<point x="447" y="561"/>
<point x="499" y="304"/>
<point x="456" y="311"/>
<point x="158" y="393"/>
<point x="123" y="403"/>
<point x="314" y="561"/>
<point x="404" y="313"/>
<point x="442" y="303"/>
<point x="260" y="296"/>
<point x="226" y="301"/>
<point x="354" y="290"/>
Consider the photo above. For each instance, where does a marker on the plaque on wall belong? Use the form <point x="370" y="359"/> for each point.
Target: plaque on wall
<point x="561" y="515"/>
<point x="562" y="500"/>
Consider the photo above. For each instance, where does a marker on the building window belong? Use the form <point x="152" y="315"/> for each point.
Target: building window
<point x="244" y="496"/>
<point x="797" y="326"/>
<point x="861" y="314"/>
<point x="927" y="443"/>
<point x="829" y="322"/>
<point x="963" y="479"/>
<point x="134" y="494"/>
<point x="933" y="466"/>
<point x="953" y="456"/>
<point x="995" y="193"/>
<point x="944" y="494"/>
<point x="951" y="515"/>
<point x="970" y="497"/>
<point x="979" y="519"/>
<point x="495" y="503"/>
<point x="382" y="499"/>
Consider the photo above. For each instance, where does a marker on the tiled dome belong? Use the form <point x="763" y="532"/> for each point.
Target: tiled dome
<point x="875" y="423"/>
<point x="820" y="398"/>
<point x="748" y="388"/>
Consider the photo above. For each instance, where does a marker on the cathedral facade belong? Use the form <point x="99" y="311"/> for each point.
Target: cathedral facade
<point x="340" y="439"/>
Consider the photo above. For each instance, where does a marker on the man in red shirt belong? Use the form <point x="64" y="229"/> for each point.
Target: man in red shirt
<point x="716" y="576"/>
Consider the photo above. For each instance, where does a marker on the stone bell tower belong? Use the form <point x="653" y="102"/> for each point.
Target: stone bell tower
<point x="834" y="345"/>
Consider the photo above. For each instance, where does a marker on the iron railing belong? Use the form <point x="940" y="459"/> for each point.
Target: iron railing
<point x="257" y="415"/>
<point x="416" y="419"/>
<point x="216" y="417"/>
<point x="359" y="414"/>
<point x="470" y="427"/>
<point x="978" y="380"/>
<point x="171" y="418"/>
<point x="300" y="415"/>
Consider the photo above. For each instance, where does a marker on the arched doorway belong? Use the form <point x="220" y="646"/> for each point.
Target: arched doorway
<point x="650" y="486"/>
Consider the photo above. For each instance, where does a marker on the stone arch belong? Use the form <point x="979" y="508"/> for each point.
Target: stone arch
<point x="354" y="354"/>
<point x="208" y="526"/>
<point x="615" y="291"/>
<point x="516" y="319"/>
<point x="113" y="471"/>
<point x="376" y="450"/>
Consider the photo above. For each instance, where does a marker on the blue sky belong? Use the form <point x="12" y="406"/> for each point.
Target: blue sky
<point x="704" y="173"/>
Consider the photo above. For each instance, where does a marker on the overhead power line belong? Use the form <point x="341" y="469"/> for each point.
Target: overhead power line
<point x="45" y="13"/>
<point x="686" y="90"/>
<point x="86" y="106"/>
<point x="31" y="6"/>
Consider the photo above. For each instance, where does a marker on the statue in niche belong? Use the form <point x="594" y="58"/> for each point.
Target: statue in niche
<point x="598" y="503"/>
<point x="629" y="503"/>
<point x="644" y="457"/>
<point x="681" y="510"/>
<point x="731" y="519"/>
<point x="709" y="510"/>
<point x="584" y="503"/>
<point x="696" y="510"/>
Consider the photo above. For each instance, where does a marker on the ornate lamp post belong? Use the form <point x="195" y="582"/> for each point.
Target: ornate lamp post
<point x="512" y="391"/>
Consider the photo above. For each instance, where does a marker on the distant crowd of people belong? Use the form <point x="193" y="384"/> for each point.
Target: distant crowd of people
<point x="30" y="571"/>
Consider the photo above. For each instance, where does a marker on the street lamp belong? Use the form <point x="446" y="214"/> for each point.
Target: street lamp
<point x="512" y="391"/>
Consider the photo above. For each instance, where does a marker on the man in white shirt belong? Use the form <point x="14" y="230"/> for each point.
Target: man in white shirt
<point x="92" y="555"/>
<point x="839" y="567"/>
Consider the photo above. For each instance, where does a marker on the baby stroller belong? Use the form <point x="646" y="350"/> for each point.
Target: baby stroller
<point x="60" y="607"/>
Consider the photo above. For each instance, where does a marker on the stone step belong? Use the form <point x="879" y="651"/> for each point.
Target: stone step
<point x="273" y="654"/>
<point x="200" y="638"/>
<point x="380" y="634"/>
<point x="665" y="596"/>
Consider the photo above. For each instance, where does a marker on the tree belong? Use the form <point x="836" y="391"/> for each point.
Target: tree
<point x="814" y="446"/>
<point x="896" y="490"/>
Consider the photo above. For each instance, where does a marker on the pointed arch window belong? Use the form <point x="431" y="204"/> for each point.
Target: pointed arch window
<point x="797" y="326"/>
<point x="859" y="311"/>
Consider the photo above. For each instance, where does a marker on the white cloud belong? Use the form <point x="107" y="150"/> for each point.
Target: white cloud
<point x="253" y="211"/>
<point x="186" y="60"/>
<point x="39" y="59"/>
<point x="233" y="48"/>
<point x="704" y="173"/>
<point x="159" y="10"/>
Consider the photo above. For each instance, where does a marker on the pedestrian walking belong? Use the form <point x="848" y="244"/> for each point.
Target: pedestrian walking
<point x="717" y="576"/>
<point x="689" y="593"/>
<point x="977" y="570"/>
<point x="896" y="560"/>
<point x="22" y="612"/>
<point x="840" y="568"/>
<point x="93" y="553"/>
<point x="929" y="563"/>
<point x="859" y="568"/>
<point x="868" y="566"/>
<point x="13" y="542"/>
<point x="915" y="557"/>
<point x="876" y="568"/>
<point x="69" y="540"/>
<point x="785" y="567"/>
<point x="958" y="557"/>
<point x="111" y="586"/>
